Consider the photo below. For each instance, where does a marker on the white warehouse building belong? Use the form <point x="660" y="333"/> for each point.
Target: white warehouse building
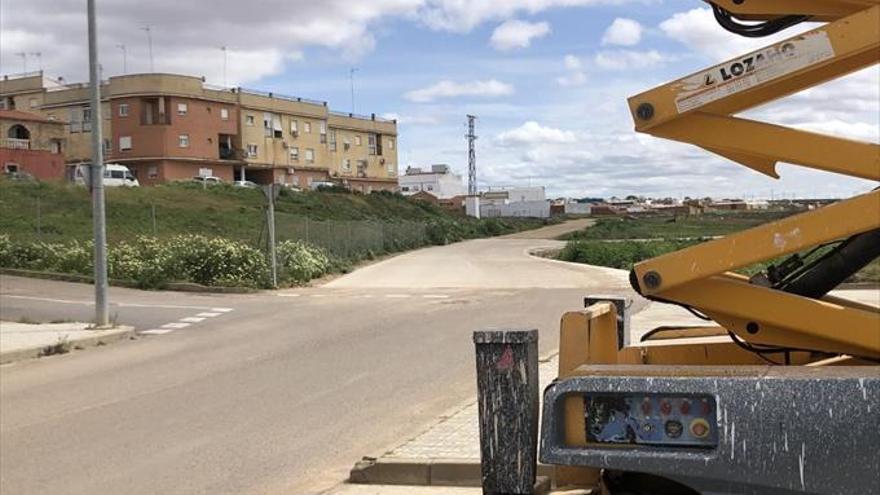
<point x="438" y="181"/>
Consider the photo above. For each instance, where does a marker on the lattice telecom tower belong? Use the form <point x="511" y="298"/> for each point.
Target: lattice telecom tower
<point x="472" y="156"/>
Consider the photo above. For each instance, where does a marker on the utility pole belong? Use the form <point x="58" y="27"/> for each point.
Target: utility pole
<point x="39" y="56"/>
<point x="351" y="72"/>
<point x="271" y="191"/>
<point x="472" y="156"/>
<point x="124" y="58"/>
<point x="102" y="312"/>
<point x="147" y="28"/>
<point x="224" y="66"/>
<point x="23" y="56"/>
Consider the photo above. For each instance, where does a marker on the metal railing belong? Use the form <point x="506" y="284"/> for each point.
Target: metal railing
<point x="15" y="144"/>
<point x="372" y="117"/>
<point x="269" y="94"/>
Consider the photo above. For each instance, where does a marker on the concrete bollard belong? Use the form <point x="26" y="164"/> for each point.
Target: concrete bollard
<point x="507" y="394"/>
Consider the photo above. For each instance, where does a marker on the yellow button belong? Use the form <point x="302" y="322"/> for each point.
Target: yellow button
<point x="699" y="428"/>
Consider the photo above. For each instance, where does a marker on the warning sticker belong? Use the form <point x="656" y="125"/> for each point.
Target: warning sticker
<point x="752" y="70"/>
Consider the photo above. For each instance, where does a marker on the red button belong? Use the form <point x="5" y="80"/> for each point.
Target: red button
<point x="685" y="407"/>
<point x="705" y="406"/>
<point x="665" y="407"/>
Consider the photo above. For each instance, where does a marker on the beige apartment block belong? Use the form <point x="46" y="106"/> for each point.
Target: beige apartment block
<point x="174" y="127"/>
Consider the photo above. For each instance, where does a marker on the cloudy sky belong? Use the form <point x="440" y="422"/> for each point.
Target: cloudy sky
<point x="548" y="79"/>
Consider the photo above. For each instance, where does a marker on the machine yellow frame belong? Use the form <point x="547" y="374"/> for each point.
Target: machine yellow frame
<point x="698" y="109"/>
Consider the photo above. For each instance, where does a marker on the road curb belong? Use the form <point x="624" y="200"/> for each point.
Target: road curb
<point x="120" y="333"/>
<point x="430" y="472"/>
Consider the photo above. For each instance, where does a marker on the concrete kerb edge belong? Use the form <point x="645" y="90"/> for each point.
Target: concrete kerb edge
<point x="432" y="471"/>
<point x="122" y="332"/>
<point x="114" y="282"/>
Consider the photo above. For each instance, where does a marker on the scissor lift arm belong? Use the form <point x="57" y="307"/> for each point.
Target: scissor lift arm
<point x="831" y="346"/>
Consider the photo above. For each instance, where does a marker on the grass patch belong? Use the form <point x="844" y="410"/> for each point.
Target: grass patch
<point x="60" y="347"/>
<point x="706" y="225"/>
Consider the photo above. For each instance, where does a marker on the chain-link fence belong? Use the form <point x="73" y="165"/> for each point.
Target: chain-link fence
<point x="51" y="221"/>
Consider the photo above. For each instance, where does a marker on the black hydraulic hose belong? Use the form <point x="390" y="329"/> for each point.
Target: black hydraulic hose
<point x="837" y="265"/>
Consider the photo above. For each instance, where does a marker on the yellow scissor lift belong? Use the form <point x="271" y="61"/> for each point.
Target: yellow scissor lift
<point x="780" y="391"/>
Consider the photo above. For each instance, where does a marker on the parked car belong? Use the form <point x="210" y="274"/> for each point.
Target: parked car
<point x="244" y="183"/>
<point x="209" y="180"/>
<point x="115" y="175"/>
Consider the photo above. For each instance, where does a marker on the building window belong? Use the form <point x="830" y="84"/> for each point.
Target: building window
<point x="391" y="167"/>
<point x="307" y="127"/>
<point x="87" y="119"/>
<point x="123" y="109"/>
<point x="294" y="153"/>
<point x="390" y="144"/>
<point x="293" y="130"/>
<point x="183" y="140"/>
<point x="33" y="103"/>
<point x="357" y="140"/>
<point x="55" y="145"/>
<point x="249" y="120"/>
<point x="323" y="132"/>
<point x="124" y="143"/>
<point x="224" y="114"/>
<point x="182" y="108"/>
<point x="153" y="171"/>
<point x="371" y="143"/>
<point x="11" y="168"/>
<point x="310" y="155"/>
<point x="332" y="139"/>
<point x="346" y="143"/>
<point x="107" y="146"/>
<point x="346" y="165"/>
<point x="277" y="131"/>
<point x="251" y="150"/>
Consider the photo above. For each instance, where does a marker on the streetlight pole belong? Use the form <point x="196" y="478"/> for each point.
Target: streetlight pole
<point x="102" y="313"/>
<point x="351" y="72"/>
<point x="149" y="44"/>
<point x="224" y="66"/>
<point x="124" y="58"/>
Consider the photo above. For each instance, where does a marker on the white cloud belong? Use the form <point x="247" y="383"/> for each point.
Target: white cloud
<point x="517" y="34"/>
<point x="629" y="59"/>
<point x="698" y="30"/>
<point x="463" y="15"/>
<point x="451" y="89"/>
<point x="534" y="133"/>
<point x="57" y="29"/>
<point x="576" y="75"/>
<point x="623" y="32"/>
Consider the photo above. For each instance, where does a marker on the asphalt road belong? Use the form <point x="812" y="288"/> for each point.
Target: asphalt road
<point x="277" y="392"/>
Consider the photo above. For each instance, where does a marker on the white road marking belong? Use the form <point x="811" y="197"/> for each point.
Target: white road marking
<point x="435" y="296"/>
<point x="176" y="325"/>
<point x="319" y="295"/>
<point x="208" y="315"/>
<point x="127" y="305"/>
<point x="157" y="331"/>
<point x="397" y="296"/>
<point x="221" y="310"/>
<point x="192" y="319"/>
<point x="288" y="295"/>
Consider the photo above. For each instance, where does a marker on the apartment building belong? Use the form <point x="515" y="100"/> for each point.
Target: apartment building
<point x="31" y="144"/>
<point x="439" y="181"/>
<point x="168" y="127"/>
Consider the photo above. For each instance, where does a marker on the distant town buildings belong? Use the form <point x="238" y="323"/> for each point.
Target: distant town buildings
<point x="167" y="127"/>
<point x="438" y="181"/>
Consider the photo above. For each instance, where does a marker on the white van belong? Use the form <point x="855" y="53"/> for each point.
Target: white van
<point x="115" y="175"/>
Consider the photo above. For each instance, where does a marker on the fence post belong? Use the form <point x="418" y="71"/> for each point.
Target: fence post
<point x="307" y="229"/>
<point x="39" y="220"/>
<point x="507" y="395"/>
<point x="153" y="215"/>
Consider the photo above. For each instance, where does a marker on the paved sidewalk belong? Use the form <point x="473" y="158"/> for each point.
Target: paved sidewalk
<point x="29" y="340"/>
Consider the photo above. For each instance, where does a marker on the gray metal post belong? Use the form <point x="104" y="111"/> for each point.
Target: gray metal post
<point x="507" y="395"/>
<point x="153" y="215"/>
<point x="39" y="220"/>
<point x="271" y="221"/>
<point x="102" y="312"/>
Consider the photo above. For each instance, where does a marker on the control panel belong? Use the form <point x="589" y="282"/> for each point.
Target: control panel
<point x="651" y="419"/>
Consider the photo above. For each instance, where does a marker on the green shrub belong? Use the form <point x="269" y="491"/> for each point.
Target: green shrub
<point x="217" y="261"/>
<point x="300" y="262"/>
<point x="621" y="255"/>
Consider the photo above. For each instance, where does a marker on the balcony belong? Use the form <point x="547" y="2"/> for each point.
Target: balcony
<point x="15" y="144"/>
